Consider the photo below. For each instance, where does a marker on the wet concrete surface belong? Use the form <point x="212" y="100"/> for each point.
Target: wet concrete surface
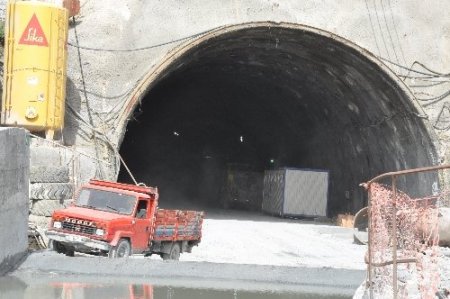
<point x="67" y="289"/>
<point x="85" y="287"/>
<point x="53" y="275"/>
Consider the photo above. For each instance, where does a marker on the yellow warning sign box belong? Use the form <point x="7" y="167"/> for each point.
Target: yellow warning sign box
<point x="35" y="66"/>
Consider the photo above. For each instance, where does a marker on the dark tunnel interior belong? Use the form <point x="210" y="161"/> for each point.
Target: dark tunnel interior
<point x="265" y="98"/>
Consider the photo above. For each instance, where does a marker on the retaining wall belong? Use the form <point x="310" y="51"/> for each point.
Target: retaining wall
<point x="14" y="173"/>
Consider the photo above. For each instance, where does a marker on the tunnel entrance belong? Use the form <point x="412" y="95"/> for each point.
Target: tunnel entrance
<point x="264" y="96"/>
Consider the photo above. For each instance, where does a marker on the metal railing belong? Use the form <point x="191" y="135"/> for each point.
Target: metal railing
<point x="393" y="217"/>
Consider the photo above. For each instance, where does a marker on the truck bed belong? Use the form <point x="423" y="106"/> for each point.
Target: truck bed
<point x="177" y="225"/>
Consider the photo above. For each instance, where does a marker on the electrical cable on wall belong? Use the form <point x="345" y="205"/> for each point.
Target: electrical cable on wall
<point x="373" y="27"/>
<point x="389" y="32"/>
<point x="381" y="30"/>
<point x="396" y="33"/>
<point x="431" y="73"/>
<point x="100" y="170"/>
<point x="435" y="100"/>
<point x="145" y="47"/>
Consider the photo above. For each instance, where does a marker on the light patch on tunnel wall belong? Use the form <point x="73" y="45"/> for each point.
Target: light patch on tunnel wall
<point x="353" y="108"/>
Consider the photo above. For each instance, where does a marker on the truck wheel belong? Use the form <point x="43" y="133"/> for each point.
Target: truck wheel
<point x="56" y="246"/>
<point x="60" y="248"/>
<point x="174" y="253"/>
<point x="123" y="249"/>
<point x="69" y="252"/>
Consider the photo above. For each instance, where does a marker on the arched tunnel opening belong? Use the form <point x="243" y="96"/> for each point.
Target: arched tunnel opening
<point x="268" y="97"/>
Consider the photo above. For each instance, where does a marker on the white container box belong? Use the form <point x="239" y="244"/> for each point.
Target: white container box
<point x="292" y="192"/>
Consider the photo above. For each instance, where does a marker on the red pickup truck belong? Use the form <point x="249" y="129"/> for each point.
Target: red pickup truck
<point x="118" y="220"/>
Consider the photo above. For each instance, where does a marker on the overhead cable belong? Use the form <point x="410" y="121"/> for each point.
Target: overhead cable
<point x="141" y="48"/>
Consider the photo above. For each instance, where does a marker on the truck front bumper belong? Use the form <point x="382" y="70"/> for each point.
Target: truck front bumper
<point x="77" y="241"/>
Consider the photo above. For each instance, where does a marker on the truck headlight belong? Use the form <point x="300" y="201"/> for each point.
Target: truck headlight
<point x="99" y="232"/>
<point x="57" y="224"/>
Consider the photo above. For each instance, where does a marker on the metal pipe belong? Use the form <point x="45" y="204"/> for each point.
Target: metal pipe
<point x="403" y="172"/>
<point x="369" y="247"/>
<point x="387" y="263"/>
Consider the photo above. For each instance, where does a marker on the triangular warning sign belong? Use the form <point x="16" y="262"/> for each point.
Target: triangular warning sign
<point x="33" y="34"/>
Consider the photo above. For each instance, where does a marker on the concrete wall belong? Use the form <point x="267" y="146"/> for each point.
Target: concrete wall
<point x="14" y="172"/>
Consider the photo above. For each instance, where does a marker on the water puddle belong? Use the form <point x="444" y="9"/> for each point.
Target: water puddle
<point x="16" y="289"/>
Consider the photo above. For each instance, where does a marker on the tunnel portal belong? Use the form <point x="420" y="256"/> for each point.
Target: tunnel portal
<point x="265" y="97"/>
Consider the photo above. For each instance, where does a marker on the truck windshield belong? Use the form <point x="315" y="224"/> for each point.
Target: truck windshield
<point x="106" y="201"/>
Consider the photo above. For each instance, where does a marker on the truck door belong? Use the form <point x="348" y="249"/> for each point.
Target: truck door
<point x="142" y="225"/>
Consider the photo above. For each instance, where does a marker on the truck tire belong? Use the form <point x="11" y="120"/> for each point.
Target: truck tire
<point x="174" y="253"/>
<point x="55" y="246"/>
<point x="60" y="248"/>
<point x="46" y="207"/>
<point x="51" y="191"/>
<point x="122" y="250"/>
<point x="49" y="174"/>
<point x="69" y="252"/>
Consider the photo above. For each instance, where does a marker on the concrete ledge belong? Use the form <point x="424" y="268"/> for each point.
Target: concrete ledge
<point x="11" y="262"/>
<point x="234" y="276"/>
<point x="14" y="181"/>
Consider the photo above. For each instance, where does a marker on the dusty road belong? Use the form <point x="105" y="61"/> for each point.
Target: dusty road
<point x="243" y="238"/>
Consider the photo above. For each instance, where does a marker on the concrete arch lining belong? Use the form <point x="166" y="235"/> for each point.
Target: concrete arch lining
<point x="156" y="73"/>
<point x="304" y="97"/>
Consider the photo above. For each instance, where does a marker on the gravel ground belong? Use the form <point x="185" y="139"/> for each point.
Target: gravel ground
<point x="444" y="266"/>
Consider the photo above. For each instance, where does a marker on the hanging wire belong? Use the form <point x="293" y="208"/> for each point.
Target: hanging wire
<point x="83" y="81"/>
<point x="389" y="32"/>
<point x="435" y="99"/>
<point x="373" y="27"/>
<point x="142" y="48"/>
<point x="396" y="33"/>
<point x="381" y="30"/>
<point x="429" y="74"/>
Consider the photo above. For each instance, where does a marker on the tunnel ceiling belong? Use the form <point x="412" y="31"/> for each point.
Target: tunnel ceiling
<point x="297" y="98"/>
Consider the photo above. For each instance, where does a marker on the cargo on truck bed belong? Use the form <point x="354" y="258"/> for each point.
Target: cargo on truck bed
<point x="117" y="220"/>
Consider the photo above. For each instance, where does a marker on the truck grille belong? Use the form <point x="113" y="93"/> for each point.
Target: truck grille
<point x="76" y="225"/>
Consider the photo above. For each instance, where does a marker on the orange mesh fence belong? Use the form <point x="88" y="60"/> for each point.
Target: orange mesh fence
<point x="403" y="243"/>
